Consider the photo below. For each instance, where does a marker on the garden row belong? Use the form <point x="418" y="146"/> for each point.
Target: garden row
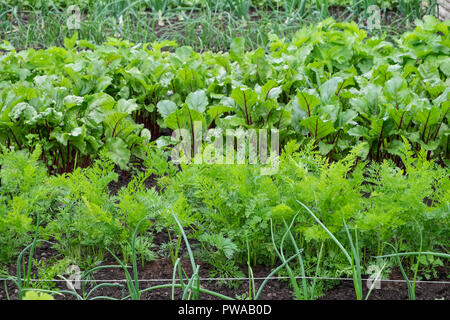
<point x="239" y="6"/>
<point x="330" y="85"/>
<point x="231" y="215"/>
<point x="203" y="25"/>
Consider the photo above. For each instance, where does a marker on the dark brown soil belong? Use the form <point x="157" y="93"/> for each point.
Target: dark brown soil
<point x="163" y="269"/>
<point x="395" y="290"/>
<point x="157" y="270"/>
<point x="160" y="272"/>
<point x="126" y="176"/>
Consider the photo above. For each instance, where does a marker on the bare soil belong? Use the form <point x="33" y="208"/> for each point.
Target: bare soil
<point x="160" y="272"/>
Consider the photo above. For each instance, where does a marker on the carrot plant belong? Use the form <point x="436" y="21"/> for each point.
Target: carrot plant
<point x="353" y="258"/>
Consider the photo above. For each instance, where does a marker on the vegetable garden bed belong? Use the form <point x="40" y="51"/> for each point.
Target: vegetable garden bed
<point x="88" y="177"/>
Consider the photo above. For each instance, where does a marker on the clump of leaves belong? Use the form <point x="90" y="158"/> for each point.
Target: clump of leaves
<point x="91" y="219"/>
<point x="25" y="193"/>
<point x="35" y="295"/>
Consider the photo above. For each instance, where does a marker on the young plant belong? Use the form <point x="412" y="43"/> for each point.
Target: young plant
<point x="353" y="258"/>
<point x="396" y="255"/>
